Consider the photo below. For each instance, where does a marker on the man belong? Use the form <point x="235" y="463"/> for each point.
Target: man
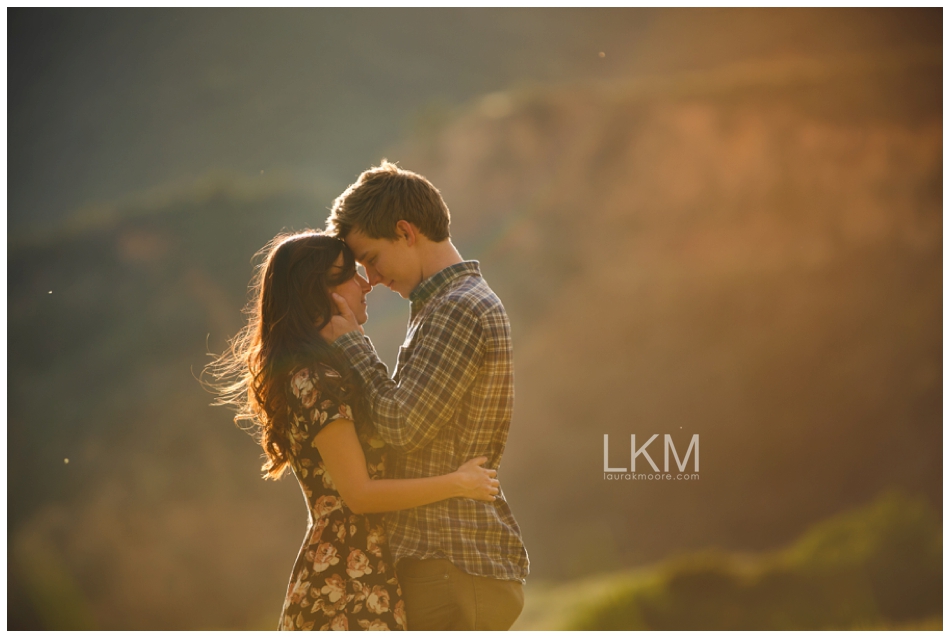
<point x="461" y="563"/>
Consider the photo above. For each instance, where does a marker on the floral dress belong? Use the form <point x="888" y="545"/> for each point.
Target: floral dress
<point x="343" y="577"/>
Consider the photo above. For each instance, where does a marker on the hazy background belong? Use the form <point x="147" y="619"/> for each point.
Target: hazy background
<point x="729" y="224"/>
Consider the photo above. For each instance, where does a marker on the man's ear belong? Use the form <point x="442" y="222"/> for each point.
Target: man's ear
<point x="408" y="231"/>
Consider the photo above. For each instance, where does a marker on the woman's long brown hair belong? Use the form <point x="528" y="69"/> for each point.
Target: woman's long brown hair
<point x="289" y="303"/>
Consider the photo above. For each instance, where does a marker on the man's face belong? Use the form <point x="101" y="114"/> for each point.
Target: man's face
<point x="354" y="291"/>
<point x="389" y="262"/>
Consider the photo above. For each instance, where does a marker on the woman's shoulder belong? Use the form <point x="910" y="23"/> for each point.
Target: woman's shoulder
<point x="312" y="373"/>
<point x="315" y="386"/>
<point x="305" y="381"/>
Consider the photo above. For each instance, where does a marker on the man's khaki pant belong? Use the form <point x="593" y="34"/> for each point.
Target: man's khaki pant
<point x="440" y="596"/>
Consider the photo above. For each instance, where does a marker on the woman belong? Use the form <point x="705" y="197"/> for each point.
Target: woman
<point x="304" y="403"/>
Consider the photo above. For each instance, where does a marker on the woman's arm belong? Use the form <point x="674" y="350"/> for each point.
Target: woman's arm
<point x="346" y="463"/>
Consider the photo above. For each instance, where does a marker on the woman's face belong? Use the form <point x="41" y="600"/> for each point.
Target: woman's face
<point x="354" y="291"/>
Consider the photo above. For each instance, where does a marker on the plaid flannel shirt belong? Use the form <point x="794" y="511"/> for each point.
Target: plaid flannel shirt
<point x="449" y="400"/>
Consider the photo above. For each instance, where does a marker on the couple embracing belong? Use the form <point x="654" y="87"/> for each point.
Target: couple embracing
<point x="408" y="526"/>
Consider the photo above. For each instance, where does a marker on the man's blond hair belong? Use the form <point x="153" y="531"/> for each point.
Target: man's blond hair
<point x="382" y="196"/>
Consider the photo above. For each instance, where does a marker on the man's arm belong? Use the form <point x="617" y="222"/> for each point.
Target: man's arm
<point x="447" y="352"/>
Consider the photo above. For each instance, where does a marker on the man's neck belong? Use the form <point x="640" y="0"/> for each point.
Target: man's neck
<point x="438" y="257"/>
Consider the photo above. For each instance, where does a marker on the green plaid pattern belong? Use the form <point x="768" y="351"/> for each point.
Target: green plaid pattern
<point x="450" y="400"/>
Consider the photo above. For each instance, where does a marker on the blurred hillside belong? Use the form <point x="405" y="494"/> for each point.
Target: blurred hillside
<point x="737" y="231"/>
<point x="876" y="567"/>
<point x="752" y="255"/>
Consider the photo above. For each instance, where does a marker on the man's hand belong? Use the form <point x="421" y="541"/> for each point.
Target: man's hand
<point x="342" y="323"/>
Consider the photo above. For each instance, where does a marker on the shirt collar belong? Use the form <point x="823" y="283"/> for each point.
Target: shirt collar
<point x="441" y="280"/>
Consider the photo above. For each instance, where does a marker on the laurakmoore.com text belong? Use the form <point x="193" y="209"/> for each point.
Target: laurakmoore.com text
<point x="617" y="476"/>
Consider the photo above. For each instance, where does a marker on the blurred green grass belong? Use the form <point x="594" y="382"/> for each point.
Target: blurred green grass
<point x="878" y="567"/>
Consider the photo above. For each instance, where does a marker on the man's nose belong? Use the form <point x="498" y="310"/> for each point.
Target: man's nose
<point x="372" y="277"/>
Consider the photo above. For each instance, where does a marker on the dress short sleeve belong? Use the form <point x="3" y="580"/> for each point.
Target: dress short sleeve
<point x="311" y="406"/>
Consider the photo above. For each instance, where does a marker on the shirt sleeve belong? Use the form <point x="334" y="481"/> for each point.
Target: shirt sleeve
<point x="440" y="370"/>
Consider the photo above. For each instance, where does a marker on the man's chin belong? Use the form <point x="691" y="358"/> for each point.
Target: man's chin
<point x="392" y="287"/>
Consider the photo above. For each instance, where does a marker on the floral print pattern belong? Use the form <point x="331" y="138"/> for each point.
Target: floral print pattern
<point x="344" y="577"/>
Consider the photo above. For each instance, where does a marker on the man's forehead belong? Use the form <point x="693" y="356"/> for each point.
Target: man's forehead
<point x="359" y="243"/>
